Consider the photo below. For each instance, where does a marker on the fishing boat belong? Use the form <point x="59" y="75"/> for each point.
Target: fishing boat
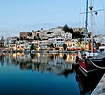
<point x="90" y="61"/>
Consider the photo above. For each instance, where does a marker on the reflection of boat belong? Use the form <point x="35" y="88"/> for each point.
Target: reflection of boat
<point x="87" y="84"/>
<point x="66" y="72"/>
<point x="92" y="60"/>
<point x="33" y="51"/>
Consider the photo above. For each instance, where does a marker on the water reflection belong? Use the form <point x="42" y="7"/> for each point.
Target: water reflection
<point x="43" y="73"/>
<point x="57" y="63"/>
<point x="1" y="59"/>
<point x="68" y="58"/>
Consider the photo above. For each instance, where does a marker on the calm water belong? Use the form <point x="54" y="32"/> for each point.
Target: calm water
<point x="41" y="74"/>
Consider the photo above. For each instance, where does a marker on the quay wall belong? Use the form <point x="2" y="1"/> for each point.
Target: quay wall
<point x="100" y="88"/>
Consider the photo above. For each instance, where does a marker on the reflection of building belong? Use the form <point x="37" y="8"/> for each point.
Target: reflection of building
<point x="58" y="68"/>
<point x="53" y="62"/>
<point x="56" y="63"/>
<point x="71" y="57"/>
<point x="2" y="58"/>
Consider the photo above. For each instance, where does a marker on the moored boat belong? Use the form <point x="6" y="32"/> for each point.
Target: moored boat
<point x="91" y="61"/>
<point x="88" y="65"/>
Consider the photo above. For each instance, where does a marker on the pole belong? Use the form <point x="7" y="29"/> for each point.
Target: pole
<point x="86" y="23"/>
<point x="91" y="14"/>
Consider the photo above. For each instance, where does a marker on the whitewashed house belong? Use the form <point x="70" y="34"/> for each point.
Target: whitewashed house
<point x="43" y="44"/>
<point x="57" y="42"/>
<point x="10" y="43"/>
<point x="67" y="36"/>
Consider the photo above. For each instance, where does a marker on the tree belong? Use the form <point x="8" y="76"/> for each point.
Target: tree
<point x="38" y="37"/>
<point x="71" y="30"/>
<point x="74" y="34"/>
<point x="64" y="46"/>
<point x="52" y="46"/>
<point x="78" y="35"/>
<point x="89" y="34"/>
<point x="32" y="47"/>
<point x="2" y="38"/>
<point x="65" y="28"/>
<point x="64" y="56"/>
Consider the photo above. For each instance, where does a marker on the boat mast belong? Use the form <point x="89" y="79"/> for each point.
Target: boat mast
<point x="91" y="14"/>
<point x="86" y="23"/>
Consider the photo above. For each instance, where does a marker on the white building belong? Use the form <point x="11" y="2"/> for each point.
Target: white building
<point x="43" y="44"/>
<point x="67" y="36"/>
<point x="10" y="40"/>
<point x="43" y="34"/>
<point x="23" y="44"/>
<point x="79" y="29"/>
<point x="100" y="39"/>
<point x="57" y="42"/>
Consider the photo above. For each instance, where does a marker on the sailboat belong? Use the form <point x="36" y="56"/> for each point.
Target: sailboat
<point x="90" y="61"/>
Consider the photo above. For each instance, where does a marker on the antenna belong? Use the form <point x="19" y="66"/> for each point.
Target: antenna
<point x="104" y="17"/>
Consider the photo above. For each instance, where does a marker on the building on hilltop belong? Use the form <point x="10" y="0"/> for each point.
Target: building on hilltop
<point x="81" y="30"/>
<point x="25" y="35"/>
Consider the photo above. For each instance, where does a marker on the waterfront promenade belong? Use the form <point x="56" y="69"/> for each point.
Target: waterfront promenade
<point x="100" y="88"/>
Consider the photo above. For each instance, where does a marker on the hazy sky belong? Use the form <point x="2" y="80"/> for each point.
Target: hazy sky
<point x="27" y="15"/>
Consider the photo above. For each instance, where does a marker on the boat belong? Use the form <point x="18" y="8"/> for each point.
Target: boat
<point x="89" y="65"/>
<point x="87" y="84"/>
<point x="92" y="60"/>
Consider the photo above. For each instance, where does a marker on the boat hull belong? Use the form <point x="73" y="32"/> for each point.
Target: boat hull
<point x="88" y="66"/>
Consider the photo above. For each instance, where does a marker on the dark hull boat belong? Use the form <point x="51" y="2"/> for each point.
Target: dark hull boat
<point x="88" y="65"/>
<point x="90" y="61"/>
<point x="87" y="83"/>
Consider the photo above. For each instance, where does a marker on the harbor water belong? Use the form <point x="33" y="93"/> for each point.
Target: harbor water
<point x="43" y="74"/>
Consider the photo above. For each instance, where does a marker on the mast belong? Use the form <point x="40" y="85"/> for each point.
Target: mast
<point x="91" y="14"/>
<point x="86" y="22"/>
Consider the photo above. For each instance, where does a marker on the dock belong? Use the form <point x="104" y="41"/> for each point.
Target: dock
<point x="100" y="88"/>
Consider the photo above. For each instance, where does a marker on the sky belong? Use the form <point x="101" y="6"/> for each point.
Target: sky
<point x="26" y="15"/>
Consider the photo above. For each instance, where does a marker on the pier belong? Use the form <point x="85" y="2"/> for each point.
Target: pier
<point x="100" y="88"/>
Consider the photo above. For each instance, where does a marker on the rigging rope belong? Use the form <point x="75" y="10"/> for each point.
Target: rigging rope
<point x="97" y="65"/>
